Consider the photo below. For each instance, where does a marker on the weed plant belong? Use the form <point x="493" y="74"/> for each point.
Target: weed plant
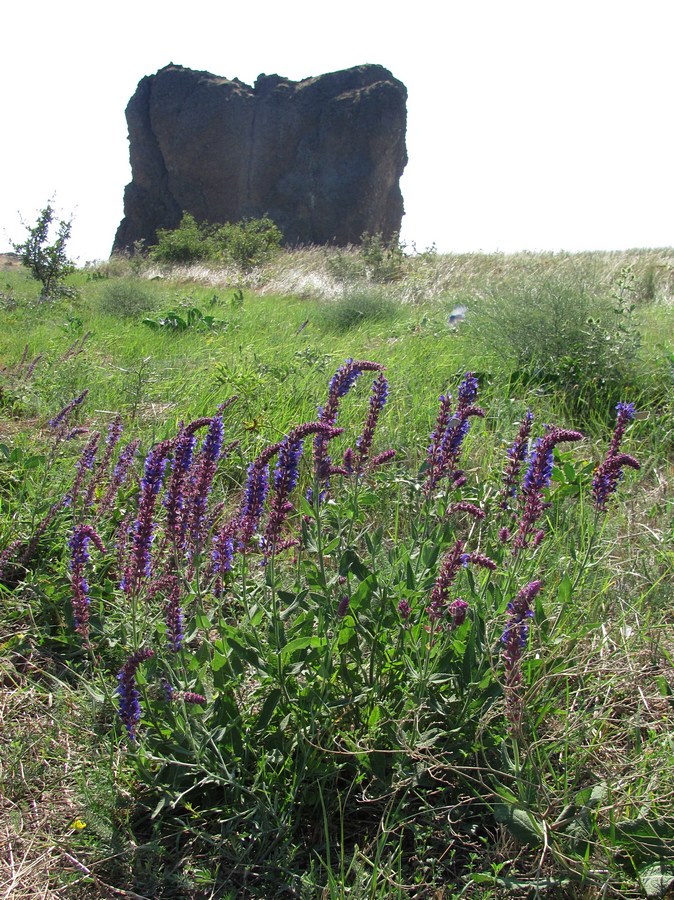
<point x="328" y="638"/>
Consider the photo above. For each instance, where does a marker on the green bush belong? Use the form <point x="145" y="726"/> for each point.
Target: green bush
<point x="47" y="263"/>
<point x="188" y="243"/>
<point x="246" y="244"/>
<point x="355" y="308"/>
<point x="562" y="332"/>
<point x="126" y="297"/>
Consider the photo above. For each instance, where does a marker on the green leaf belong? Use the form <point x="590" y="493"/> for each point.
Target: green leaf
<point x="564" y="590"/>
<point x="267" y="710"/>
<point x="302" y="643"/>
<point x="656" y="879"/>
<point x="521" y="824"/>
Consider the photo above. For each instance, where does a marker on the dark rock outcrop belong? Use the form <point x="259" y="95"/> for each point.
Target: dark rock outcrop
<point x="322" y="157"/>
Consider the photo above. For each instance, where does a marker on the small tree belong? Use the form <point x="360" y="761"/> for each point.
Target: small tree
<point x="48" y="263"/>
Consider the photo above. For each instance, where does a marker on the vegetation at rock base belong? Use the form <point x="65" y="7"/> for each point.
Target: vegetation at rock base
<point x="314" y="588"/>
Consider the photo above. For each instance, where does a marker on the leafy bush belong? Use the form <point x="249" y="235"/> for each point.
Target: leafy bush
<point x="246" y="244"/>
<point x="48" y="263"/>
<point x="562" y="333"/>
<point x="126" y="297"/>
<point x="384" y="260"/>
<point x="188" y="243"/>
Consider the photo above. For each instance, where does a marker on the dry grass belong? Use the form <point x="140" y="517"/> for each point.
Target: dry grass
<point x="326" y="273"/>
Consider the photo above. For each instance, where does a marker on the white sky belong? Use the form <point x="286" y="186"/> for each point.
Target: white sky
<point x="532" y="124"/>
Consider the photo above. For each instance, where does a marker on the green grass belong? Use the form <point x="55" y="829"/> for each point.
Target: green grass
<point x="362" y="755"/>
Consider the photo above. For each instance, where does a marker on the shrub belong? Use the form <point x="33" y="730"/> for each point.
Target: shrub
<point x="47" y="263"/>
<point x="384" y="259"/>
<point x="246" y="244"/>
<point x="126" y="297"/>
<point x="187" y="243"/>
<point x="559" y="331"/>
<point x="357" y="307"/>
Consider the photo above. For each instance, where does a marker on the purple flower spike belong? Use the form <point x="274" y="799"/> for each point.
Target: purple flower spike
<point x="451" y="563"/>
<point x="60" y="420"/>
<point x="127" y="690"/>
<point x="378" y="397"/>
<point x="517" y="456"/>
<point x="340" y="385"/>
<point x="449" y="434"/>
<point x="404" y="609"/>
<point x="609" y="473"/>
<point x="457" y="612"/>
<point x="343" y="606"/>
<point x="119" y="476"/>
<point x="286" y="475"/>
<point x="139" y="565"/>
<point x="536" y="479"/>
<point x="514" y="639"/>
<point x="79" y="557"/>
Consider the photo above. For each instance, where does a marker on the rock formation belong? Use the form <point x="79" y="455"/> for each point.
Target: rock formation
<point x="322" y="157"/>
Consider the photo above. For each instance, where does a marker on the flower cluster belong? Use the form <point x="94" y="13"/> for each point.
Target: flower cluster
<point x="536" y="480"/>
<point x="79" y="557"/>
<point x="517" y="456"/>
<point x="608" y="473"/>
<point x="340" y="385"/>
<point x="514" y="640"/>
<point x="138" y="566"/>
<point x="449" y="434"/>
<point x="127" y="690"/>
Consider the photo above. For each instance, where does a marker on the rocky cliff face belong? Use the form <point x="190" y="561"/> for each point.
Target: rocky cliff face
<point x="322" y="157"/>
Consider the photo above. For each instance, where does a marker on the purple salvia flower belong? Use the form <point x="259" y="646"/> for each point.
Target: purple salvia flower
<point x="536" y="479"/>
<point x="183" y="451"/>
<point x="451" y="563"/>
<point x="202" y="480"/>
<point x="517" y="456"/>
<point x="139" y="566"/>
<point x="381" y="459"/>
<point x="343" y="606"/>
<point x="608" y="475"/>
<point x="286" y="475"/>
<point x="464" y="506"/>
<point x="479" y="559"/>
<point x="340" y="384"/>
<point x="169" y="690"/>
<point x="79" y="557"/>
<point x="192" y="697"/>
<point x="222" y="554"/>
<point x="378" y="397"/>
<point x="119" y="475"/>
<point x="60" y="420"/>
<point x="127" y="690"/>
<point x="457" y="611"/>
<point x="449" y="434"/>
<point x="434" y="458"/>
<point x="625" y="413"/>
<point x="255" y="494"/>
<point x="83" y="465"/>
<point x="404" y="609"/>
<point x="114" y="434"/>
<point x="173" y="613"/>
<point x="514" y="639"/>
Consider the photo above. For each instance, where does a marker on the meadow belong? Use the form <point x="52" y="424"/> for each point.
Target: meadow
<point x="347" y="574"/>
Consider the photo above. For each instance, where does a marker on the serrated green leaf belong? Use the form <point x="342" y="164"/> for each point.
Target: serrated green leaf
<point x="656" y="879"/>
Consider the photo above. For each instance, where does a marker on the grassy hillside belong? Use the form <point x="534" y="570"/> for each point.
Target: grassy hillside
<point x="346" y="576"/>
